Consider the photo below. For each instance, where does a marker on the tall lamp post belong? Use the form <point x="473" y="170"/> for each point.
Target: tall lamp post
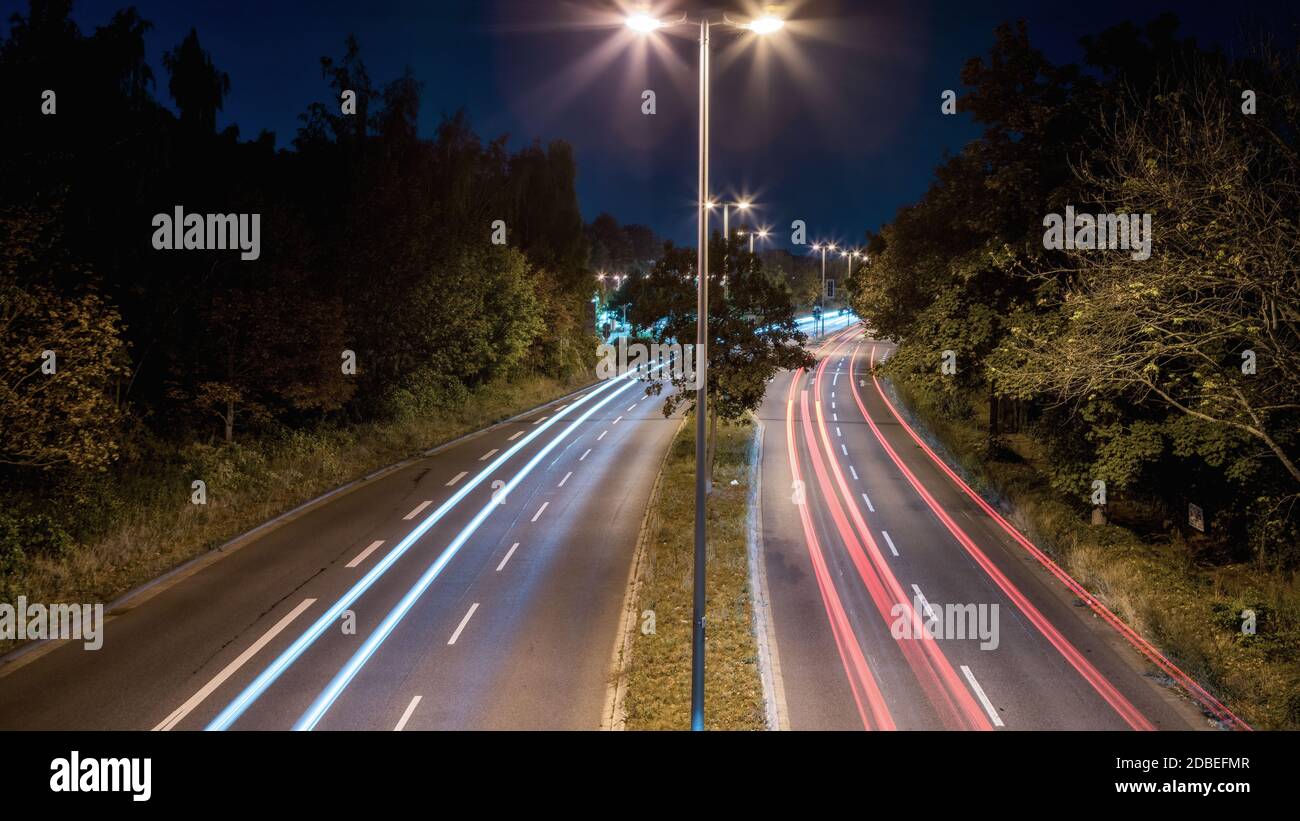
<point x="646" y="23"/>
<point x="761" y="234"/>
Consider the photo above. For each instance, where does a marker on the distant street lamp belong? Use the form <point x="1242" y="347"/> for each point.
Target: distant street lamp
<point x="821" y="301"/>
<point x="646" y="23"/>
<point x="760" y="233"/>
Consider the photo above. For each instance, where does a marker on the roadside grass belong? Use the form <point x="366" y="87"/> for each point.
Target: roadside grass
<point x="659" y="674"/>
<point x="1187" y="609"/>
<point x="153" y="527"/>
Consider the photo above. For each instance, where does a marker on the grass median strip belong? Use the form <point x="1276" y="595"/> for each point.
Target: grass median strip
<point x="659" y="672"/>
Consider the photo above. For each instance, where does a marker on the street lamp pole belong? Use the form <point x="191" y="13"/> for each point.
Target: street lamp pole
<point x="702" y="392"/>
<point x="645" y="23"/>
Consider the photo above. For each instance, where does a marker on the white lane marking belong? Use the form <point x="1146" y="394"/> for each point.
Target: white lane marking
<point x="584" y="456"/>
<point x="867" y="499"/>
<point x="616" y="421"/>
<point x="832" y="394"/>
<point x="836" y="379"/>
<point x="515" y="436"/>
<point x="540" y="421"/>
<point x="832" y="404"/>
<point x="854" y="472"/>
<point x="509" y="553"/>
<point x="890" y="542"/>
<point x="925" y="605"/>
<point x="487" y="455"/>
<point x="463" y="622"/>
<point x="361" y="557"/>
<point x="406" y="716"/>
<point x="565" y="479"/>
<point x="458" y="477"/>
<point x="835" y="417"/>
<point x="844" y="448"/>
<point x="602" y="434"/>
<point x="837" y="431"/>
<point x="630" y="407"/>
<point x="416" y="512"/>
<point x="979" y="691"/>
<point x="233" y="667"/>
<point x="539" y="510"/>
<point x="560" y="408"/>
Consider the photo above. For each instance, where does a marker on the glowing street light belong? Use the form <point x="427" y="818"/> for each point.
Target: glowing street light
<point x="645" y="23"/>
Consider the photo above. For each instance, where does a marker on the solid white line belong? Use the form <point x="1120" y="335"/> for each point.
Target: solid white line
<point x="616" y="421"/>
<point x="463" y="622"/>
<point x="416" y="512"/>
<point x="361" y="557"/>
<point x="509" y="553"/>
<point x="929" y="611"/>
<point x="602" y="434"/>
<point x="539" y="510"/>
<point x="233" y="667"/>
<point x="890" y="541"/>
<point x="979" y="691"/>
<point x="866" y="499"/>
<point x="487" y="455"/>
<point x="406" y="716"/>
<point x="584" y="456"/>
<point x="854" y="472"/>
<point x="458" y="477"/>
<point x="515" y="436"/>
<point x="565" y="479"/>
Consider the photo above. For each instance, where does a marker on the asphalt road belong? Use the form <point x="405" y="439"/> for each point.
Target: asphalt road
<point x="479" y="587"/>
<point x="866" y="539"/>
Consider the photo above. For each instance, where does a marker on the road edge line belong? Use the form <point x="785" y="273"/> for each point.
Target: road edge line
<point x="769" y="660"/>
<point x="614" y="713"/>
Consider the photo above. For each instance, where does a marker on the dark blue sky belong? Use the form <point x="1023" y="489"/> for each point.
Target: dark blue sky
<point x="836" y="122"/>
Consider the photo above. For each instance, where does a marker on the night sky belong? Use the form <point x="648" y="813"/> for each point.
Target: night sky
<point x="835" y="122"/>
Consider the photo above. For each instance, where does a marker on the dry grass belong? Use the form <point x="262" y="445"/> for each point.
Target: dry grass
<point x="154" y="527"/>
<point x="1188" y="610"/>
<point x="659" y="677"/>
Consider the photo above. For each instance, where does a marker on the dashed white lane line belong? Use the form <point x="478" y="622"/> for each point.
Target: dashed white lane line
<point x="837" y="431"/>
<point x="515" y="436"/>
<point x="832" y="404"/>
<point x="457" y="477"/>
<point x="488" y="455"/>
<point x="631" y="406"/>
<point x="361" y="557"/>
<point x="233" y="667"/>
<point x="584" y="456"/>
<point x="560" y="408"/>
<point x="406" y="716"/>
<point x="836" y="379"/>
<point x="509" y="553"/>
<point x="844" y="448"/>
<point x="835" y="417"/>
<point x="832" y="394"/>
<point x="867" y="499"/>
<point x="925" y="604"/>
<point x="979" y="692"/>
<point x="854" y="472"/>
<point x="616" y="421"/>
<point x="889" y="542"/>
<point x="539" y="511"/>
<point x="462" y="624"/>
<point x="540" y="421"/>
<point x="421" y="506"/>
<point x="565" y="479"/>
<point x="602" y="434"/>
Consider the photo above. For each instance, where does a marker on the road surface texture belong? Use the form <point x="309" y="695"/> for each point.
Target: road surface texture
<point x="860" y="525"/>
<point x="480" y="586"/>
